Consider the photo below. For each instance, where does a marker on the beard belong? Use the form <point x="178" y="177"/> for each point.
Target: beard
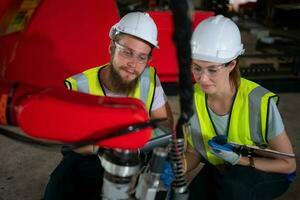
<point x="118" y="84"/>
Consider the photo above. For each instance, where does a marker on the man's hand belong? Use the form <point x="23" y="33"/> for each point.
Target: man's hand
<point x="221" y="149"/>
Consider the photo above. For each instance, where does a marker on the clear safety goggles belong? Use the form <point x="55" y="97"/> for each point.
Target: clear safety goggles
<point x="128" y="53"/>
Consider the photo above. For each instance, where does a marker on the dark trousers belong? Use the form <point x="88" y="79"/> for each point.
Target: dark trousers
<point x="237" y="182"/>
<point x="76" y="177"/>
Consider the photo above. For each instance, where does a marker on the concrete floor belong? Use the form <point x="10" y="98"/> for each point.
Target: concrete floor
<point x="24" y="169"/>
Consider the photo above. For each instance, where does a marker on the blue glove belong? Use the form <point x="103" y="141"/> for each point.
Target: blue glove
<point x="167" y="175"/>
<point x="291" y="177"/>
<point x="221" y="149"/>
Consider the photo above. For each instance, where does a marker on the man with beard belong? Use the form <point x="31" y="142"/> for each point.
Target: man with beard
<point x="80" y="174"/>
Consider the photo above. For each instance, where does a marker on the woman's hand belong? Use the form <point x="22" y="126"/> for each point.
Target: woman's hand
<point x="221" y="149"/>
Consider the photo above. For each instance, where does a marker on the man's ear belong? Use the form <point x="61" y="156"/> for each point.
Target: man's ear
<point x="111" y="48"/>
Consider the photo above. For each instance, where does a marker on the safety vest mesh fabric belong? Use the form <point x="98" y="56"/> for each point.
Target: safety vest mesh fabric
<point x="247" y="120"/>
<point x="88" y="82"/>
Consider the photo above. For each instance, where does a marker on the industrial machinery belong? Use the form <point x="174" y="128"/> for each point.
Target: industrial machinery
<point x="46" y="115"/>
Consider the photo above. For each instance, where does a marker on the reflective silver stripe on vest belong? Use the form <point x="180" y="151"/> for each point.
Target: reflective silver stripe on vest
<point x="82" y="82"/>
<point x="196" y="134"/>
<point x="145" y="85"/>
<point x="255" y="98"/>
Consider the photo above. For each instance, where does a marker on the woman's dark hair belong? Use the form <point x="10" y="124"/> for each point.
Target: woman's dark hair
<point x="235" y="74"/>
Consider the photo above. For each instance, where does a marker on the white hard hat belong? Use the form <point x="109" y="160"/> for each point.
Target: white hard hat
<point x="216" y="39"/>
<point x="138" y="24"/>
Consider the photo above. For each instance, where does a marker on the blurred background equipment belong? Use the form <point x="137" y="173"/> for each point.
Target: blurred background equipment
<point x="62" y="38"/>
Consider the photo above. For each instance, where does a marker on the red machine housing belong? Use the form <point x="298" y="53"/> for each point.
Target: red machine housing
<point x="65" y="116"/>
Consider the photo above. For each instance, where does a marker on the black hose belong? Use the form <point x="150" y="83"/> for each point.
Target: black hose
<point x="181" y="37"/>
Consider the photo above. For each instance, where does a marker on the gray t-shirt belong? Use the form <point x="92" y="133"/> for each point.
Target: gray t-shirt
<point x="159" y="96"/>
<point x="275" y="124"/>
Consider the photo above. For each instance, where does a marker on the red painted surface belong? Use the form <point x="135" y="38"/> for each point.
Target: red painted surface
<point x="4" y="6"/>
<point x="60" y="115"/>
<point x="56" y="115"/>
<point x="62" y="38"/>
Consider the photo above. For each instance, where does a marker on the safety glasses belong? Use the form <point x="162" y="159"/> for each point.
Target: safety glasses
<point x="130" y="54"/>
<point x="211" y="71"/>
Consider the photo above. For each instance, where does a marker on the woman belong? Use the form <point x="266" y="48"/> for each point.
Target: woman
<point x="231" y="109"/>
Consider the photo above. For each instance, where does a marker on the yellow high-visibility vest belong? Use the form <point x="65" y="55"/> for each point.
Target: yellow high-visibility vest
<point x="88" y="82"/>
<point x="247" y="120"/>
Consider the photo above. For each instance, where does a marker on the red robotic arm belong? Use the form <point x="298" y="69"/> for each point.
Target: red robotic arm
<point x="69" y="117"/>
